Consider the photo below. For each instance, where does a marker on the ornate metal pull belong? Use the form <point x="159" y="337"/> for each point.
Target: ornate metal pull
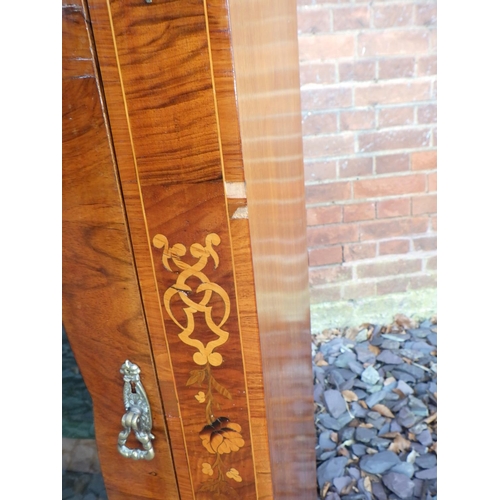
<point x="137" y="416"/>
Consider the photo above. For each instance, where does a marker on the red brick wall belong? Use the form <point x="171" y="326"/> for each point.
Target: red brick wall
<point x="368" y="84"/>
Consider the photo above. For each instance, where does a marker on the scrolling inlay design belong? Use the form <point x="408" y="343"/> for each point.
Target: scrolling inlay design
<point x="220" y="436"/>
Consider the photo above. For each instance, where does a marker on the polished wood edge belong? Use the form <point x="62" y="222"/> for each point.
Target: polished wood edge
<point x="264" y="36"/>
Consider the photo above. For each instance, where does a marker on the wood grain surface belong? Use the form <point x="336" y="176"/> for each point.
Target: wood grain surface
<point x="102" y="309"/>
<point x="183" y="200"/>
<point x="180" y="132"/>
<point x="265" y="53"/>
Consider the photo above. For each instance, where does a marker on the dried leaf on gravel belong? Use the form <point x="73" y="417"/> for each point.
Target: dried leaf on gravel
<point x="374" y="349"/>
<point x="349" y="396"/>
<point x="363" y="404"/>
<point x="351" y="333"/>
<point x="400" y="393"/>
<point x="399" y="444"/>
<point x="320" y="360"/>
<point x="347" y="489"/>
<point x="367" y="484"/>
<point x="434" y="447"/>
<point x="431" y="418"/>
<point x="342" y="451"/>
<point x="366" y="424"/>
<point x="404" y="322"/>
<point x="412" y="436"/>
<point x="334" y="436"/>
<point x="325" y="489"/>
<point x="383" y="410"/>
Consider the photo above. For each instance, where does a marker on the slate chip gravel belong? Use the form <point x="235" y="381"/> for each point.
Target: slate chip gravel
<point x="376" y="411"/>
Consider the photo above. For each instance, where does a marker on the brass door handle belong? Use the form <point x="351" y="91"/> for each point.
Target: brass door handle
<point x="137" y="416"/>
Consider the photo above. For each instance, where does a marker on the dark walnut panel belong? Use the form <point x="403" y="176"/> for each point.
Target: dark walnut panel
<point x="102" y="310"/>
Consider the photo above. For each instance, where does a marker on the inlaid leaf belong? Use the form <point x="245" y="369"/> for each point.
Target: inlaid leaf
<point x="221" y="389"/>
<point x="196" y="376"/>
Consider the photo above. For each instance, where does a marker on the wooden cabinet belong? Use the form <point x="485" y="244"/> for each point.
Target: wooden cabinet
<point x="184" y="241"/>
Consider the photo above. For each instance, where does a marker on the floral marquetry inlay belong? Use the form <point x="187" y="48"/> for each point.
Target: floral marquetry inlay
<point x="220" y="436"/>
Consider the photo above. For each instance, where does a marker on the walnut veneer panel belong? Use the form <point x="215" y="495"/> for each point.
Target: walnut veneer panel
<point x="102" y="309"/>
<point x="158" y="80"/>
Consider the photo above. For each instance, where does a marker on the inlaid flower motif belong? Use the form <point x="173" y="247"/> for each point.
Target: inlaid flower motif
<point x="222" y="436"/>
<point x="200" y="397"/>
<point x="234" y="474"/>
<point x="206" y="468"/>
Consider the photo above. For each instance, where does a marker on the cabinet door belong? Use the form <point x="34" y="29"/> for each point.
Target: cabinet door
<point x="102" y="308"/>
<point x="209" y="221"/>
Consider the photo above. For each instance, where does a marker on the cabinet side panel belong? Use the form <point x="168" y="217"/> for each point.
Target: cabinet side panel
<point x="102" y="309"/>
<point x="265" y="55"/>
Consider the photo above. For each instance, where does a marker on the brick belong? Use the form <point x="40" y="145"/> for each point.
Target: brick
<point x="359" y="211"/>
<point x="432" y="182"/>
<point x="332" y="235"/>
<point x="318" y="73"/>
<point x="394" y="42"/>
<point x="392" y="228"/>
<point x="392" y="117"/>
<point x="395" y="207"/>
<point x="326" y="99"/>
<point x="324" y="215"/>
<point x="320" y="170"/>
<point x="389" y="268"/>
<point x="330" y="274"/>
<point x="326" y="47"/>
<point x="423" y="281"/>
<point x="400" y="67"/>
<point x="424" y="160"/>
<point x="434" y="90"/>
<point x="425" y="244"/>
<point x="362" y="119"/>
<point x="328" y="193"/>
<point x="321" y="123"/>
<point x="433" y="40"/>
<point x="358" y="71"/>
<point x="427" y="114"/>
<point x="325" y="256"/>
<point x="426" y="14"/>
<point x="359" y="251"/>
<point x="393" y="285"/>
<point x="351" y="18"/>
<point x="358" y="291"/>
<point x="431" y="263"/>
<point x="393" y="247"/>
<point x="392" y="93"/>
<point x="434" y="223"/>
<point x="394" y="139"/>
<point x="434" y="137"/>
<point x="426" y="204"/>
<point x="330" y="145"/>
<point x="355" y="167"/>
<point x="386" y="164"/>
<point x="319" y="295"/>
<point x="389" y="186"/>
<point x="427" y="65"/>
<point x="313" y="21"/>
<point x="390" y="16"/>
